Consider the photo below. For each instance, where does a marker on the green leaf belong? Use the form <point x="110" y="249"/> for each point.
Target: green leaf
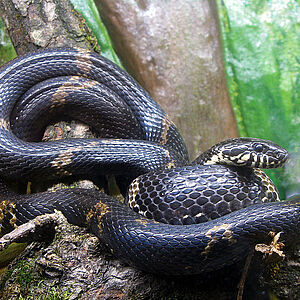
<point x="7" y="51"/>
<point x="89" y="11"/>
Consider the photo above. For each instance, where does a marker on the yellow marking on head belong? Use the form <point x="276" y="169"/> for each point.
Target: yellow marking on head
<point x="89" y="215"/>
<point x="214" y="159"/>
<point x="4" y="124"/>
<point x="246" y="157"/>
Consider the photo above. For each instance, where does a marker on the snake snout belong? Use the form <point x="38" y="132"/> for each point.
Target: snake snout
<point x="276" y="158"/>
<point x="254" y="153"/>
<point x="282" y="156"/>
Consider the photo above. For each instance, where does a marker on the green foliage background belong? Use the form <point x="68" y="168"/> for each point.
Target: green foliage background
<point x="7" y="51"/>
<point x="262" y="55"/>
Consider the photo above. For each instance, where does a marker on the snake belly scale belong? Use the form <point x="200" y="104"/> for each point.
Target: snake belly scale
<point x="226" y="208"/>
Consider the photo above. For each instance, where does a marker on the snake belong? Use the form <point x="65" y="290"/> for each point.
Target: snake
<point x="182" y="217"/>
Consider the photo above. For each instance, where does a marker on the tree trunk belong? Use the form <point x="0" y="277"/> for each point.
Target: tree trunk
<point x="173" y="49"/>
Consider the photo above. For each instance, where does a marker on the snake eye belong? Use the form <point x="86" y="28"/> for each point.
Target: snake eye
<point x="258" y="148"/>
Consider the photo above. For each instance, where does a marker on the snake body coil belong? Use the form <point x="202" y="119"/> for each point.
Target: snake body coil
<point x="165" y="189"/>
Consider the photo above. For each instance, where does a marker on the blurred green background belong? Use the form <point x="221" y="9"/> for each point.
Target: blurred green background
<point x="262" y="54"/>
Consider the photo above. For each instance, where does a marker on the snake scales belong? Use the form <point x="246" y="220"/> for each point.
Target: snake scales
<point x="213" y="200"/>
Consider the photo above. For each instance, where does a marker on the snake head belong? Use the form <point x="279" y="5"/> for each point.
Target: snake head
<point x="249" y="152"/>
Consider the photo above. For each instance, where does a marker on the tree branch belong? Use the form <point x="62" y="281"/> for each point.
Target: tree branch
<point x="45" y="24"/>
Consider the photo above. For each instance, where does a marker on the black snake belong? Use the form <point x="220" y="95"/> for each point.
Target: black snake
<point x="145" y="145"/>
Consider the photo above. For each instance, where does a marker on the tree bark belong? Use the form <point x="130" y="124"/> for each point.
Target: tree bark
<point x="173" y="49"/>
<point x="45" y="24"/>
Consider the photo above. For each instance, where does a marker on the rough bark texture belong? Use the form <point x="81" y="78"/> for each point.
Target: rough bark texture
<point x="44" y="24"/>
<point x="75" y="265"/>
<point x="173" y="49"/>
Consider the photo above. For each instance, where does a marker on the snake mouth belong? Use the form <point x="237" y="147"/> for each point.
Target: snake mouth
<point x="266" y="161"/>
<point x="281" y="157"/>
<point x="286" y="157"/>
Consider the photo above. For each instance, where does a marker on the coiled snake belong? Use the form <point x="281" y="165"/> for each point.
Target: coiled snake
<point x="211" y="199"/>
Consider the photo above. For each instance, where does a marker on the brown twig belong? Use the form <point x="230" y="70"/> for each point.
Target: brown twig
<point x="241" y="284"/>
<point x="35" y="230"/>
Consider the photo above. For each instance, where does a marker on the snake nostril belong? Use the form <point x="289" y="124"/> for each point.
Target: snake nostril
<point x="286" y="156"/>
<point x="280" y="155"/>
